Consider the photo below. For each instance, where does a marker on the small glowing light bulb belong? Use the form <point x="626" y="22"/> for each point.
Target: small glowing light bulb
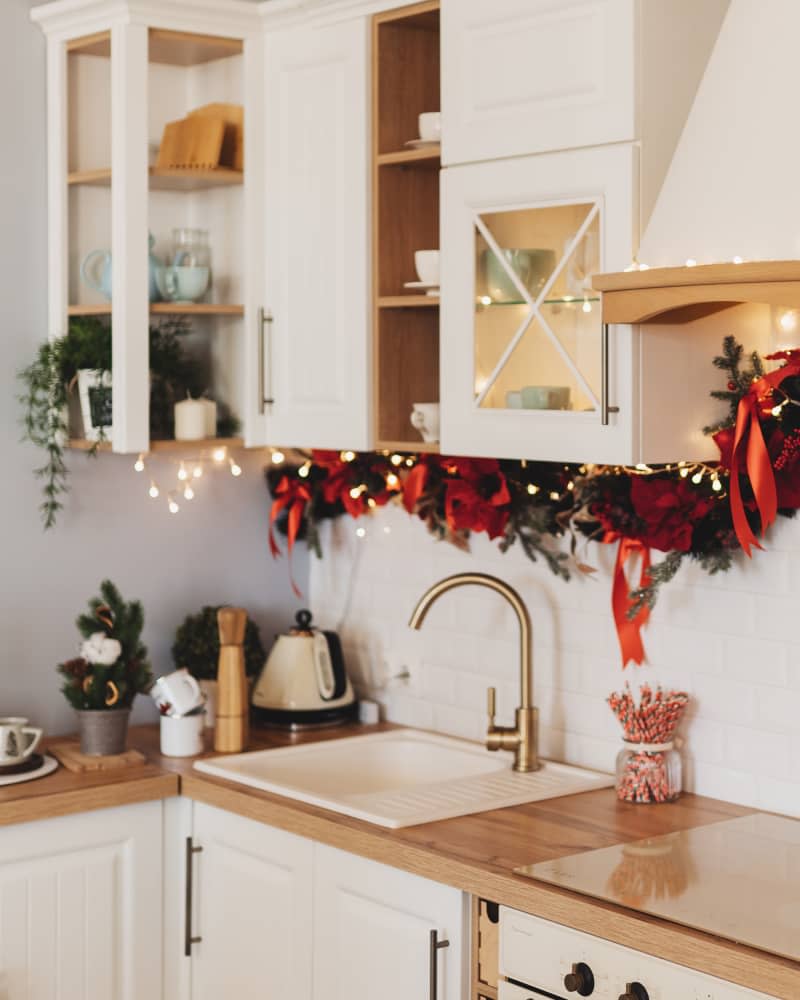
<point x="356" y="492"/>
<point x="396" y="459"/>
<point x="776" y="410"/>
<point x="697" y="478"/>
<point x="218" y="454"/>
<point x="555" y="495"/>
<point x="153" y="491"/>
<point x="485" y="300"/>
<point x="188" y="492"/>
<point x="361" y="532"/>
<point x="197" y="471"/>
<point x="348" y="456"/>
<point x="642" y="467"/>
<point x="570" y="485"/>
<point x="139" y="464"/>
<point x="533" y="490"/>
<point x="788" y="321"/>
<point x="278" y="457"/>
<point x="392" y="480"/>
<point x="173" y="507"/>
<point x="410" y="462"/>
<point x="691" y="262"/>
<point x="716" y="485"/>
<point x="183" y="475"/>
<point x="236" y="470"/>
<point x="371" y="503"/>
<point x="304" y="470"/>
<point x="587" y="306"/>
<point x="684" y="473"/>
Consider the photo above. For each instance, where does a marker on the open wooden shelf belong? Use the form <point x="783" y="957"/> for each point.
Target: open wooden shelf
<point x="172" y="48"/>
<point x="422" y="447"/>
<point x="177" y="447"/>
<point x="408" y="302"/>
<point x="430" y="157"/>
<point x="166" y="178"/>
<point x="164" y="309"/>
<point x="677" y="294"/>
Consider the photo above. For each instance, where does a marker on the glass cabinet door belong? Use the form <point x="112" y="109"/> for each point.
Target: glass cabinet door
<point x="522" y="334"/>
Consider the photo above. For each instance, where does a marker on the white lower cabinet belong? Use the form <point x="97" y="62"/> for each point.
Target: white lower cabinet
<point x="80" y="906"/>
<point x="372" y="932"/>
<point x="252" y="905"/>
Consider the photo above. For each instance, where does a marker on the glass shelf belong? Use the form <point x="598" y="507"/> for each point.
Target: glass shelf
<point x="486" y="302"/>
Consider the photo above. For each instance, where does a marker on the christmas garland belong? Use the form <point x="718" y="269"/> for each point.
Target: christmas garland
<point x="697" y="511"/>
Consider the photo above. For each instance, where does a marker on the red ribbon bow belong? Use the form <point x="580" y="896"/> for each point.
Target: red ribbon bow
<point x="629" y="630"/>
<point x="294" y="495"/>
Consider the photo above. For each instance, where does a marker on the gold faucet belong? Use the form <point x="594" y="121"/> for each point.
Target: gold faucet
<point x="523" y="738"/>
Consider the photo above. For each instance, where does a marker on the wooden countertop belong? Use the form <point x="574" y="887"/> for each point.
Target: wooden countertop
<point x="476" y="854"/>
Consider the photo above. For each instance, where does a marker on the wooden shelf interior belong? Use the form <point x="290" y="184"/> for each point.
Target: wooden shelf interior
<point x="408" y="370"/>
<point x="170" y="48"/>
<point x="165" y="178"/>
<point x="164" y="309"/>
<point x="405" y="219"/>
<point x="684" y="294"/>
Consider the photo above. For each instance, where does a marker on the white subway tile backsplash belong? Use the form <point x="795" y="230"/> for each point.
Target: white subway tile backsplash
<point x="730" y="640"/>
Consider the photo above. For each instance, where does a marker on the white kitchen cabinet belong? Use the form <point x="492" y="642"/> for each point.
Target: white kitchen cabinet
<point x="525" y="369"/>
<point x="315" y="348"/>
<point x="252" y="897"/>
<point x="80" y="906"/>
<point x="372" y="932"/>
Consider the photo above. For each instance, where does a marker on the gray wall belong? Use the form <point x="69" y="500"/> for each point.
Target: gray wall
<point x="214" y="551"/>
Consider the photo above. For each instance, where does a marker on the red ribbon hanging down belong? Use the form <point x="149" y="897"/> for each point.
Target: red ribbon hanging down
<point x="629" y="630"/>
<point x="749" y="441"/>
<point x="294" y="495"/>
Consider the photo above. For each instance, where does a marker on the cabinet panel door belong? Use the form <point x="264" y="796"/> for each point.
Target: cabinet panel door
<point x="529" y="76"/>
<point x="372" y="929"/>
<point x="80" y="906"/>
<point x="252" y="889"/>
<point x="521" y="334"/>
<point x="316" y="190"/>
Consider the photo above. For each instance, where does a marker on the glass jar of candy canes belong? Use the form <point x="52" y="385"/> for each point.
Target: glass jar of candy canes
<point x="648" y="772"/>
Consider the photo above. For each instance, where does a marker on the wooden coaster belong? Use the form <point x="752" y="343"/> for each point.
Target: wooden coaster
<point x="68" y="753"/>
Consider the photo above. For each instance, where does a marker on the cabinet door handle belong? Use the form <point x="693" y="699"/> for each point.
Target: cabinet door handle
<point x="605" y="409"/>
<point x="433" y="963"/>
<point x="188" y="939"/>
<point x="265" y="398"/>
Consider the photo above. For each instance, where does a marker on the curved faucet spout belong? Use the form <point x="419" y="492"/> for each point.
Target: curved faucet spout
<point x="524" y="737"/>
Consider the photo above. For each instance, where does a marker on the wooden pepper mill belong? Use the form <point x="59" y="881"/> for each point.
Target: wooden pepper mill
<point x="231" y="730"/>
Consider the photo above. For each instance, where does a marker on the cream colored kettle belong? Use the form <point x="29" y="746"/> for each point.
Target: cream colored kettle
<point x="304" y="682"/>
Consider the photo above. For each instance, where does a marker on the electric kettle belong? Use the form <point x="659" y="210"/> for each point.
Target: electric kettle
<point x="304" y="682"/>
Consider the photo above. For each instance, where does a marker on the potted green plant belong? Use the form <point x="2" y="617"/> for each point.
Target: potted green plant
<point x="196" y="648"/>
<point x="111" y="670"/>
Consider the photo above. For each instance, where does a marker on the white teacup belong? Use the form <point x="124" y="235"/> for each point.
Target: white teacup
<point x="182" y="736"/>
<point x="18" y="740"/>
<point x="430" y="126"/>
<point x="427" y="264"/>
<point x="180" y="690"/>
<point x="425" y="418"/>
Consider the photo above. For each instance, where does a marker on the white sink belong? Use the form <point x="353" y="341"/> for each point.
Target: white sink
<point x="400" y="778"/>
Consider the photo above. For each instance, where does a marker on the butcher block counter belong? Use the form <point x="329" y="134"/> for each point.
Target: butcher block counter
<point x="477" y="854"/>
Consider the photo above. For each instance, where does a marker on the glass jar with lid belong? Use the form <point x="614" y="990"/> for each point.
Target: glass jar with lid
<point x="648" y="772"/>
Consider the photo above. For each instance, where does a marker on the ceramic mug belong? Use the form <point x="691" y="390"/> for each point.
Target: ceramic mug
<point x="545" y="397"/>
<point x="425" y="418"/>
<point x="427" y="264"/>
<point x="18" y="740"/>
<point x="180" y="690"/>
<point x="182" y="736"/>
<point x="430" y="126"/>
<point x="182" y="284"/>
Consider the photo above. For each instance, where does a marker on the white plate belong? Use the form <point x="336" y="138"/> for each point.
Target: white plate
<point x="421" y="143"/>
<point x="49" y="764"/>
<point x="423" y="286"/>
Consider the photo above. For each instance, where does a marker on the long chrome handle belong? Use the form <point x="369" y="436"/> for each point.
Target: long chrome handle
<point x="188" y="939"/>
<point x="264" y="391"/>
<point x="433" y="963"/>
<point x="605" y="409"/>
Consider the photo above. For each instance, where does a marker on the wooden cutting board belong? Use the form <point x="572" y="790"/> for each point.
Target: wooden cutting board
<point x="68" y="753"/>
<point x="232" y="154"/>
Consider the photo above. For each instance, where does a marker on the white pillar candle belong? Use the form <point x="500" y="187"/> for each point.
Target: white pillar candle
<point x="211" y="417"/>
<point x="190" y="420"/>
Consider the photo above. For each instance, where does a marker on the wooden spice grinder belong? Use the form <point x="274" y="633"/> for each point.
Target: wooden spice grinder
<point x="231" y="730"/>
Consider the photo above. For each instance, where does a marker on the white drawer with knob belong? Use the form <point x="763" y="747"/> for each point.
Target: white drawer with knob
<point x="542" y="956"/>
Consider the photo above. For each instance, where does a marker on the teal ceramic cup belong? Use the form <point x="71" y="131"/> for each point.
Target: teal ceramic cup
<point x="545" y="397"/>
<point x="182" y="284"/>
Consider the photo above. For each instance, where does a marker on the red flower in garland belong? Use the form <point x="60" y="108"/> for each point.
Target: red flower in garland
<point x="344" y="477"/>
<point x="477" y="497"/>
<point x="669" y="508"/>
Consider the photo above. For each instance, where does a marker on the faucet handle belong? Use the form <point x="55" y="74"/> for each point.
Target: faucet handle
<point x="491" y="698"/>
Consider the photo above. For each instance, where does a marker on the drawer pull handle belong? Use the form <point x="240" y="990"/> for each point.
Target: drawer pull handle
<point x="188" y="939"/>
<point x="433" y="963"/>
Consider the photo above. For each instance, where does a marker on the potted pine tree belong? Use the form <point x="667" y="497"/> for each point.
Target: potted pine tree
<point x="111" y="670"/>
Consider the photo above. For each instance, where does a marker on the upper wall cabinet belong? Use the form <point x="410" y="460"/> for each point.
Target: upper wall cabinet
<point x="312" y="344"/>
<point x="525" y="76"/>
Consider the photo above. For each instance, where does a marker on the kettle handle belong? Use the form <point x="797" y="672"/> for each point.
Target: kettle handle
<point x="337" y="663"/>
<point x="86" y="274"/>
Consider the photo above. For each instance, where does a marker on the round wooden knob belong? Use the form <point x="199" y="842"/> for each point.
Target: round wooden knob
<point x="635" y="991"/>
<point x="232" y="623"/>
<point x="580" y="980"/>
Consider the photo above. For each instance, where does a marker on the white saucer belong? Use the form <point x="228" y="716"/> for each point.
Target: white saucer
<point x="48" y="765"/>
<point x="422" y="286"/>
<point x="421" y="143"/>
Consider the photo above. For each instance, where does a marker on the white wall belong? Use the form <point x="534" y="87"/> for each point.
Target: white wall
<point x="215" y="552"/>
<point x="731" y="641"/>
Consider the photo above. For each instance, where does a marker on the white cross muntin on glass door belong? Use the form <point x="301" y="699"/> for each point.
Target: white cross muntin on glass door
<point x="534" y="304"/>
